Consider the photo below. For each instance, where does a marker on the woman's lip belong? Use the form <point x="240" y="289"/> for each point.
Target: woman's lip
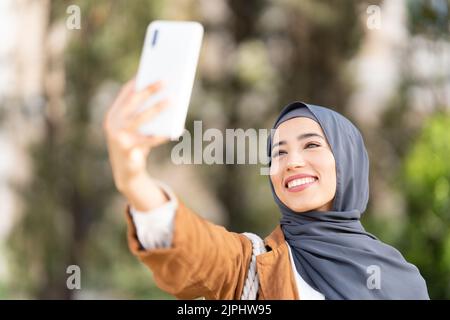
<point x="301" y="187"/>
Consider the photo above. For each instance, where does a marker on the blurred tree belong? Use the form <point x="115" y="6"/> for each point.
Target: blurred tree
<point x="419" y="142"/>
<point x="426" y="181"/>
<point x="430" y="17"/>
<point x="72" y="187"/>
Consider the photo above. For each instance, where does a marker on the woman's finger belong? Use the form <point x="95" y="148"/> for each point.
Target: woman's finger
<point x="139" y="98"/>
<point x="124" y="93"/>
<point x="152" y="141"/>
<point x="127" y="89"/>
<point x="146" y="115"/>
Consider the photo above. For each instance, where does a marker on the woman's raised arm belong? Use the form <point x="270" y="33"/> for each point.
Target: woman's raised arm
<point x="204" y="259"/>
<point x="128" y="150"/>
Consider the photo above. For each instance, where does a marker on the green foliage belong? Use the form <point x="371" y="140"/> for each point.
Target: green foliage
<point x="427" y="190"/>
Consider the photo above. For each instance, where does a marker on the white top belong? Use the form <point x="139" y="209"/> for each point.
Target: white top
<point x="155" y="228"/>
<point x="305" y="291"/>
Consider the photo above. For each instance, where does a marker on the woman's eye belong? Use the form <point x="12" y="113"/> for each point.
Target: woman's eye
<point x="312" y="145"/>
<point x="279" y="153"/>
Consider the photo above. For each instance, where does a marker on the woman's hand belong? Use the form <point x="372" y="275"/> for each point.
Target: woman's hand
<point x="128" y="149"/>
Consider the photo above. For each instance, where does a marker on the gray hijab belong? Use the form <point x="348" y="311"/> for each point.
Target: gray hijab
<point x="331" y="250"/>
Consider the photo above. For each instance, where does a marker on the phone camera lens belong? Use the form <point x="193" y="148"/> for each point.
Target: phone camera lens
<point x="155" y="37"/>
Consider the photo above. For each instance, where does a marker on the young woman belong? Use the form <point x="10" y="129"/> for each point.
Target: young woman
<point x="319" y="180"/>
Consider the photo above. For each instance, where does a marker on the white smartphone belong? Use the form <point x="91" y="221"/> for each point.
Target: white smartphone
<point x="170" y="53"/>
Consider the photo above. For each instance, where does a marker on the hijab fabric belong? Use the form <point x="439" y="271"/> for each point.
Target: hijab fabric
<point x="331" y="250"/>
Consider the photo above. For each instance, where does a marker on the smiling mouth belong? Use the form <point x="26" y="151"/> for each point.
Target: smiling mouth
<point x="300" y="184"/>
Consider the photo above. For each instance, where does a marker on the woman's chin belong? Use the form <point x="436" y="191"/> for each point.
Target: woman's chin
<point x="300" y="208"/>
<point x="303" y="207"/>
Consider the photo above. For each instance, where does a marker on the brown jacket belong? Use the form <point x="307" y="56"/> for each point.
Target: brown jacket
<point x="206" y="260"/>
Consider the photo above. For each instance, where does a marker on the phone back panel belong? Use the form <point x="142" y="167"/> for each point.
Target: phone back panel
<point x="170" y="53"/>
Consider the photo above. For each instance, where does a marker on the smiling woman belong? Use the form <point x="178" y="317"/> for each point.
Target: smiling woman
<point x="319" y="176"/>
<point x="303" y="170"/>
<point x="320" y="221"/>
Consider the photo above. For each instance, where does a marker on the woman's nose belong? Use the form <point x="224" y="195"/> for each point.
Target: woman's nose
<point x="295" y="162"/>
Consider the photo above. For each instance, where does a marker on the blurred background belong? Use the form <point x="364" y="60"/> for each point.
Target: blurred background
<point x="383" y="64"/>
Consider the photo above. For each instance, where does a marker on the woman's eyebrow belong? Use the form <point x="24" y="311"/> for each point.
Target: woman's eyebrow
<point x="309" y="135"/>
<point x="278" y="144"/>
<point x="300" y="137"/>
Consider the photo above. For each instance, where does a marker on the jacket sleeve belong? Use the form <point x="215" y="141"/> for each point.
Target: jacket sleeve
<point x="204" y="260"/>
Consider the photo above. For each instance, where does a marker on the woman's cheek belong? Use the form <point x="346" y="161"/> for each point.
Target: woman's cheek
<point x="331" y="175"/>
<point x="276" y="167"/>
<point x="275" y="178"/>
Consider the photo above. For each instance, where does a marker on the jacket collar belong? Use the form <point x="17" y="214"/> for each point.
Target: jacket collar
<point x="275" y="239"/>
<point x="277" y="280"/>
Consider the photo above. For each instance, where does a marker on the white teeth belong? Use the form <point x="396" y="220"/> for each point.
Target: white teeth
<point x="298" y="182"/>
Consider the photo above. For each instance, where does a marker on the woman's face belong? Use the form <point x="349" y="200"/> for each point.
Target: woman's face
<point x="303" y="170"/>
